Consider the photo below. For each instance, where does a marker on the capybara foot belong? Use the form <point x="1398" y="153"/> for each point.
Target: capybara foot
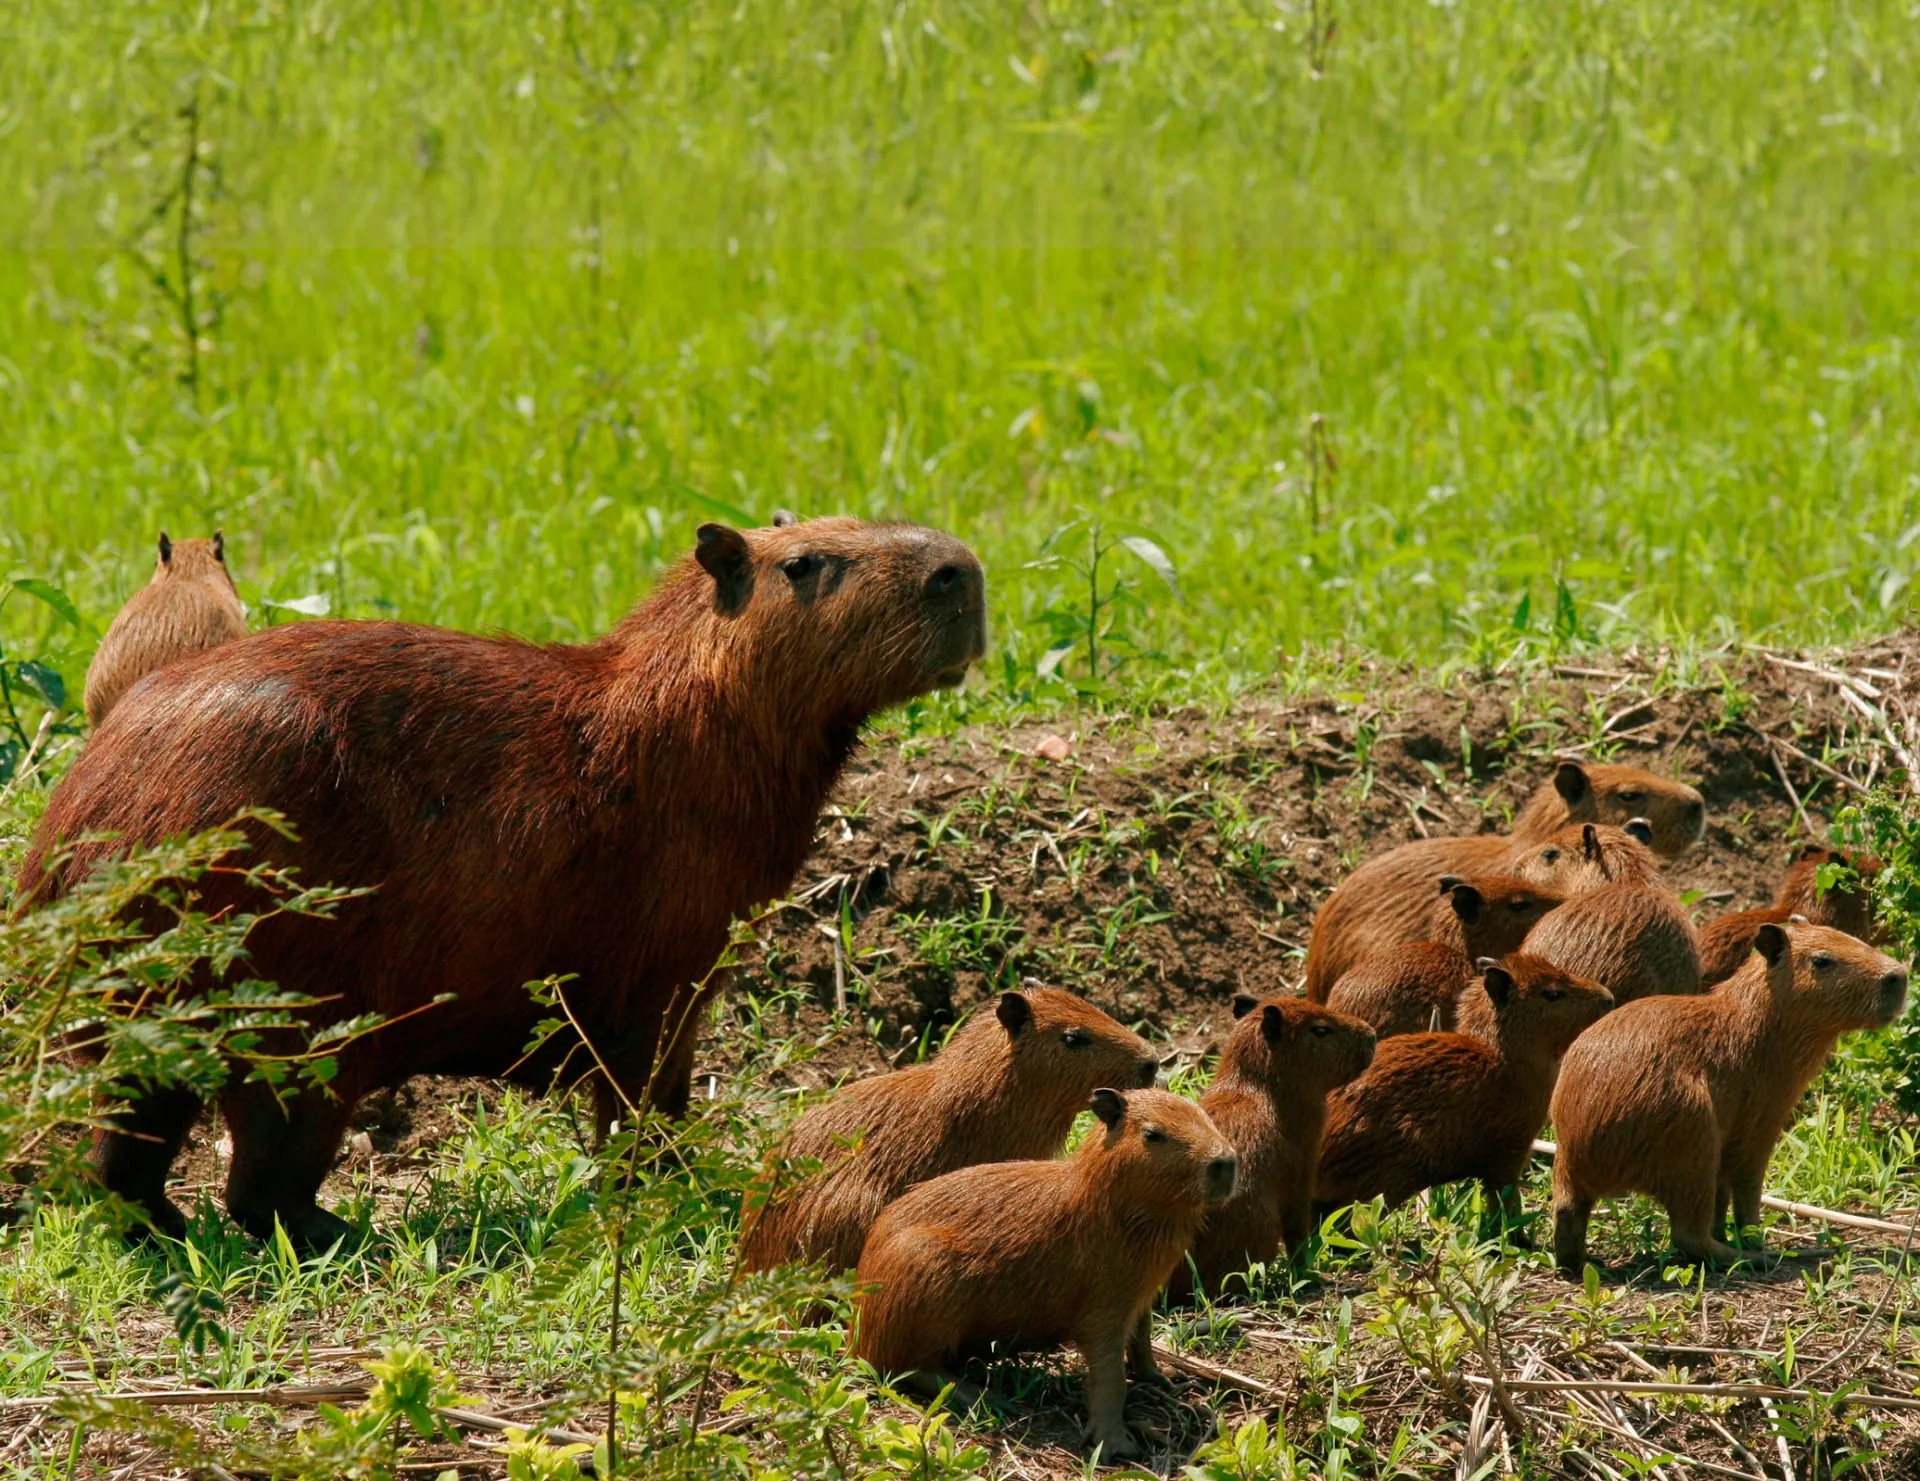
<point x="312" y="1230"/>
<point x="931" y="1383"/>
<point x="154" y="1219"/>
<point x="1116" y="1444"/>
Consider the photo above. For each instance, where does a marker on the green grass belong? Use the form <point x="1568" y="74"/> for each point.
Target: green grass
<point x="495" y="305"/>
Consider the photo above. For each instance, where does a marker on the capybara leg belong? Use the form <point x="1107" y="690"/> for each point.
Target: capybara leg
<point x="671" y="1087"/>
<point x="1107" y="1400"/>
<point x="1570" y="1217"/>
<point x="1722" y="1200"/>
<point x="1744" y="1186"/>
<point x="1505" y="1214"/>
<point x="1141" y="1366"/>
<point x="1691" y="1214"/>
<point x="282" y="1153"/>
<point x="133" y="1154"/>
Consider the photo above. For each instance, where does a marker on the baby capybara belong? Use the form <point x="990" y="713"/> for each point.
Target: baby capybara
<point x="189" y="606"/>
<point x="598" y="812"/>
<point x="1006" y="1088"/>
<point x="1044" y="1254"/>
<point x="1384" y="902"/>
<point x="1634" y="939"/>
<point x="1726" y="943"/>
<point x="1412" y="987"/>
<point x="1435" y="1108"/>
<point x="1684" y="1098"/>
<point x="1269" y="1097"/>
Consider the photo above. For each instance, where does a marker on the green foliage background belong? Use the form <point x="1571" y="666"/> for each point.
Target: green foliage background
<point x="494" y="303"/>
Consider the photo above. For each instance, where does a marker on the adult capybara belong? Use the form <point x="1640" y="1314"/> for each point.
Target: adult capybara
<point x="188" y="607"/>
<point x="1726" y="943"/>
<point x="1412" y="987"/>
<point x="1633" y="938"/>
<point x="1684" y="1098"/>
<point x="1269" y="1096"/>
<point x="1040" y="1254"/>
<point x="1006" y="1088"/>
<point x="600" y="811"/>
<point x="1435" y="1108"/>
<point x="1385" y="900"/>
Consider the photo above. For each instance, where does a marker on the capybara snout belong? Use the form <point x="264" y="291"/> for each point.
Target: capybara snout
<point x="1148" y="1073"/>
<point x="1223" y="1174"/>
<point x="1893" y="995"/>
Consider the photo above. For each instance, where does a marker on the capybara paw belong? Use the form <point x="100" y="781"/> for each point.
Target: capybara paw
<point x="311" y="1230"/>
<point x="1116" y="1445"/>
<point x="162" y="1220"/>
<point x="1151" y="1378"/>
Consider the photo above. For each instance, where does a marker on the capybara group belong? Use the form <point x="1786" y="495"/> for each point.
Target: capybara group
<point x="1269" y="1097"/>
<point x="596" y="812"/>
<point x="1045" y="1254"/>
<point x="188" y="607"/>
<point x="1385" y="901"/>
<point x="1726" y="943"/>
<point x="1434" y="1108"/>
<point x="1006" y="1088"/>
<point x="1683" y="1098"/>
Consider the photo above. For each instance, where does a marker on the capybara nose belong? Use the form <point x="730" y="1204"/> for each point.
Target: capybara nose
<point x="1606" y="998"/>
<point x="1221" y="1175"/>
<point x="1893" y="994"/>
<point x="1148" y="1072"/>
<point x="944" y="580"/>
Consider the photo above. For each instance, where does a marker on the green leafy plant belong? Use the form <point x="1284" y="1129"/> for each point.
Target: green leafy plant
<point x="1088" y="612"/>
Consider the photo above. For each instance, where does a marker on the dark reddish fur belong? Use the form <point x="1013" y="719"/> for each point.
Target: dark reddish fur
<point x="1044" y="1254"/>
<point x="1726" y="943"/>
<point x="1434" y="1108"/>
<point x="1684" y="1098"/>
<point x="1386" y="900"/>
<point x="601" y="810"/>
<point x="1269" y="1098"/>
<point x="1006" y="1088"/>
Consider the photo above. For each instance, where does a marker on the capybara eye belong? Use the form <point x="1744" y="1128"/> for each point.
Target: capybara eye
<point x="1076" y="1038"/>
<point x="1553" y="994"/>
<point x="1631" y="795"/>
<point x="799" y="567"/>
<point x="1153" y="1134"/>
<point x="1320" y="1030"/>
<point x="1549" y="856"/>
<point x="1822" y="960"/>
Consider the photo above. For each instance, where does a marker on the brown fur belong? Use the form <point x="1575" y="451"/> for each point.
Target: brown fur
<point x="1269" y="1098"/>
<point x="1040" y="1254"/>
<point x="1633" y="939"/>
<point x="188" y="607"/>
<point x="602" y="811"/>
<point x="1006" y="1088"/>
<point x="1412" y="987"/>
<point x="1684" y="1098"/>
<point x="1435" y="1108"/>
<point x="1726" y="943"/>
<point x="1386" y="900"/>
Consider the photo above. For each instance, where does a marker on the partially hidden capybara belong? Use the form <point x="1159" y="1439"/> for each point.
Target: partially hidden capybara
<point x="1045" y="1254"/>
<point x="1412" y="987"/>
<point x="1006" y="1088"/>
<point x="1726" y="943"/>
<point x="1385" y="901"/>
<point x="598" y="812"/>
<point x="1684" y="1098"/>
<point x="1269" y="1097"/>
<point x="1633" y="938"/>
<point x="188" y="607"/>
<point x="1438" y="1107"/>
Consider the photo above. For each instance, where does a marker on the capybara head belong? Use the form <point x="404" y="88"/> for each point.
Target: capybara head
<point x="1848" y="904"/>
<point x="1829" y="979"/>
<point x="885" y="611"/>
<point x="1291" y="1044"/>
<point x="1165" y="1148"/>
<point x="1537" y="1008"/>
<point x="1590" y="856"/>
<point x="194" y="560"/>
<point x="1593" y="793"/>
<point x="1065" y="1048"/>
<point x="1490" y="914"/>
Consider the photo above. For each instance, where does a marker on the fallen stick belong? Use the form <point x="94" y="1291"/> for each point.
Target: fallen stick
<point x="1200" y="1368"/>
<point x="1799" y="1210"/>
<point x="1702" y="1390"/>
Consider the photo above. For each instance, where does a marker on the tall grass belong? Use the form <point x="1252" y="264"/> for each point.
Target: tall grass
<point x="1606" y="307"/>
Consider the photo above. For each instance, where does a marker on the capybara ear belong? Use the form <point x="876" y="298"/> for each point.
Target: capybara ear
<point x="1570" y="780"/>
<point x="1498" y="979"/>
<point x="1273" y="1024"/>
<point x="166" y="549"/>
<point x="1467" y="902"/>
<point x="1771" y="942"/>
<point x="1808" y="851"/>
<point x="784" y="517"/>
<point x="1449" y="883"/>
<point x="1798" y="920"/>
<point x="220" y="547"/>
<point x="723" y="553"/>
<point x="1639" y="828"/>
<point x="1244" y="1003"/>
<point x="1014" y="1012"/>
<point x="1110" y="1106"/>
<point x="1590" y="841"/>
